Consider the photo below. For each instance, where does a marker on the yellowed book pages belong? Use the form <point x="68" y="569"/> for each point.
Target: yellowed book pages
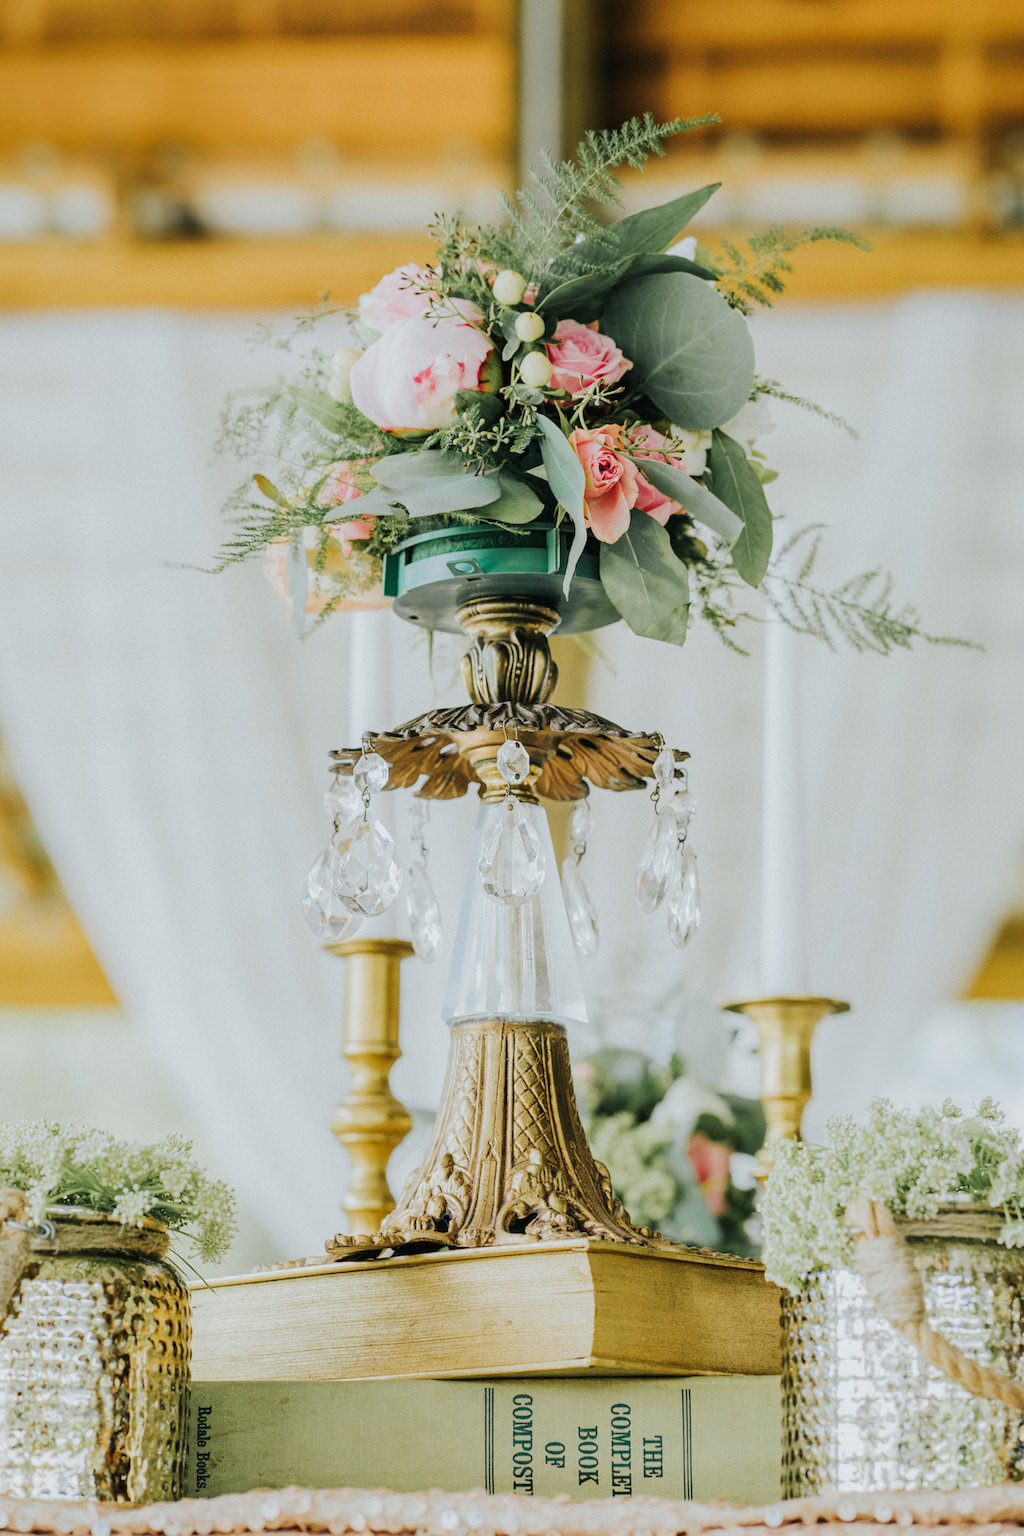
<point x="588" y="1438"/>
<point x="578" y="1306"/>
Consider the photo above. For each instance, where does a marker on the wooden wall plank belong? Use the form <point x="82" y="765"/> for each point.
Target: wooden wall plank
<point x="366" y="94"/>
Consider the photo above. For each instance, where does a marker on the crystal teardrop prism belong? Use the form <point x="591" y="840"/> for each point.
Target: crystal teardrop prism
<point x="580" y="909"/>
<point x="681" y="806"/>
<point x="511" y="862"/>
<point x="657" y="863"/>
<point x="325" y="919"/>
<point x="423" y="912"/>
<point x="365" y="877"/>
<point x="684" y="907"/>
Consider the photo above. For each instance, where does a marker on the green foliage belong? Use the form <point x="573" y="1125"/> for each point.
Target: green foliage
<point x="70" y="1165"/>
<point x="645" y="580"/>
<point x="737" y="484"/>
<point x="912" y="1161"/>
<point x="547" y="215"/>
<point x="757" y="278"/>
<point x="692" y="354"/>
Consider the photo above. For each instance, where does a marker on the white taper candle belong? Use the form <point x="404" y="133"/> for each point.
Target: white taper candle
<point x="783" y="820"/>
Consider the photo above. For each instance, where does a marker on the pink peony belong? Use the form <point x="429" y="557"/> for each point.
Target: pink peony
<point x="407" y="380"/>
<point x="611" y="481"/>
<point x="580" y="356"/>
<point x="710" y="1162"/>
<point x="396" y="297"/>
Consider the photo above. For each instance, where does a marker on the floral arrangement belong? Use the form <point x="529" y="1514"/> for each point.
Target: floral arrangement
<point x="557" y="367"/>
<point x="669" y="1142"/>
<point x="59" y="1165"/>
<point x="912" y="1161"/>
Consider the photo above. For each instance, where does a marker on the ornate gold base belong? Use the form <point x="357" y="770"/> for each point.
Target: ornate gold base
<point x="786" y="1026"/>
<point x="509" y="1158"/>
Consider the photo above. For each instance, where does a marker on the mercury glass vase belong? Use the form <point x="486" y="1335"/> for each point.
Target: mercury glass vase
<point x="863" y="1411"/>
<point x="94" y="1366"/>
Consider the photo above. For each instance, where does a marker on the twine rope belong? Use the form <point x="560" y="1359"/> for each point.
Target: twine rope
<point x="15" y="1244"/>
<point x="884" y="1262"/>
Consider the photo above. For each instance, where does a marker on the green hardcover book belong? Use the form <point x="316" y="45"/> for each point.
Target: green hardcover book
<point x="585" y="1437"/>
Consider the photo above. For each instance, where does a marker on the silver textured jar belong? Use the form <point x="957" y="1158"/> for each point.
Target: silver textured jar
<point x="863" y="1411"/>
<point x="94" y="1366"/>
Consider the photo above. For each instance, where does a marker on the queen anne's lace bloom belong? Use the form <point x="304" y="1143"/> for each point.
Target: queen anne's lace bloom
<point x="71" y="1165"/>
<point x="912" y="1161"/>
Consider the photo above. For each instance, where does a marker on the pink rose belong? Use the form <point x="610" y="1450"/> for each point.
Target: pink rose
<point x="581" y="356"/>
<point x="397" y="296"/>
<point x="710" y="1162"/>
<point x="611" y="481"/>
<point x="407" y="380"/>
<point x="649" y="499"/>
<point x="338" y="485"/>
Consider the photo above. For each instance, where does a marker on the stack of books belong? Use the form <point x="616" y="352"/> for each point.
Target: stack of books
<point x="592" y="1370"/>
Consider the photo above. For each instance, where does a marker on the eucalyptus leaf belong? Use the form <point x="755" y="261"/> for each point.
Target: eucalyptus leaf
<point x="691" y="353"/>
<point x="696" y="498"/>
<point x="324" y="410"/>
<point x="736" y="482"/>
<point x="583" y="297"/>
<point x="431" y="482"/>
<point x="646" y="581"/>
<point x="516" y="503"/>
<point x="652" y="229"/>
<point x="568" y="482"/>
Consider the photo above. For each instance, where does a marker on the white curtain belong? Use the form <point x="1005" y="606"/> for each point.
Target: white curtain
<point x="170" y="733"/>
<point x="915" y="816"/>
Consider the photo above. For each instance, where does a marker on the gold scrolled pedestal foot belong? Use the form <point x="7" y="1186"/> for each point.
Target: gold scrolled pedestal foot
<point x="786" y="1026"/>
<point x="369" y="1121"/>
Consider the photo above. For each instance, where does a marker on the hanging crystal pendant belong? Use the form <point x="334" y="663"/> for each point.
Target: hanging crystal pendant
<point x="513" y="762"/>
<point x="511" y="863"/>
<point x="664" y="768"/>
<point x="684" y="907"/>
<point x="370" y="773"/>
<point x="657" y="863"/>
<point x="423" y="912"/>
<point x="580" y="824"/>
<point x="365" y="877"/>
<point x="325" y="919"/>
<point x="581" y="911"/>
<point x="343" y="802"/>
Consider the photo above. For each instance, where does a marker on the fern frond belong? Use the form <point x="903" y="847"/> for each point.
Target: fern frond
<point x="751" y="280"/>
<point x="775" y="392"/>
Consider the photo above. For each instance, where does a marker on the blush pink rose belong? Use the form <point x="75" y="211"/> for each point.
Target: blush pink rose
<point x="580" y="356"/>
<point x="647" y="443"/>
<point x="710" y="1162"/>
<point x="396" y="297"/>
<point x="611" y="481"/>
<point x="407" y="380"/>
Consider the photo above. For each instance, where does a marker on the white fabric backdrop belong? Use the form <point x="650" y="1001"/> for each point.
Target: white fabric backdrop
<point x="170" y="733"/>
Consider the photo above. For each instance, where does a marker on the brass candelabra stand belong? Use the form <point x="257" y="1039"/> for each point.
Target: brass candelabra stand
<point x="369" y="1121"/>
<point x="786" y="1026"/>
<point x="509" y="1157"/>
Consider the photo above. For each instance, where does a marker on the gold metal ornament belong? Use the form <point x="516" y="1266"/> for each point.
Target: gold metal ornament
<point x="369" y="1121"/>
<point x="786" y="1026"/>
<point x="509" y="1157"/>
<point x="94" y="1365"/>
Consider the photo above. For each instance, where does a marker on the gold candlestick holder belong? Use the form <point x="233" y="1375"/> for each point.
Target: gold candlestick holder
<point x="786" y="1026"/>
<point x="369" y="1121"/>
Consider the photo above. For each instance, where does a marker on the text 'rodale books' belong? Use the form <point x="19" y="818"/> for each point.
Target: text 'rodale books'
<point x="585" y="1437"/>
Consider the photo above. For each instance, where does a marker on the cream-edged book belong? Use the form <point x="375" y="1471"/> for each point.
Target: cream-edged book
<point x="530" y="1309"/>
